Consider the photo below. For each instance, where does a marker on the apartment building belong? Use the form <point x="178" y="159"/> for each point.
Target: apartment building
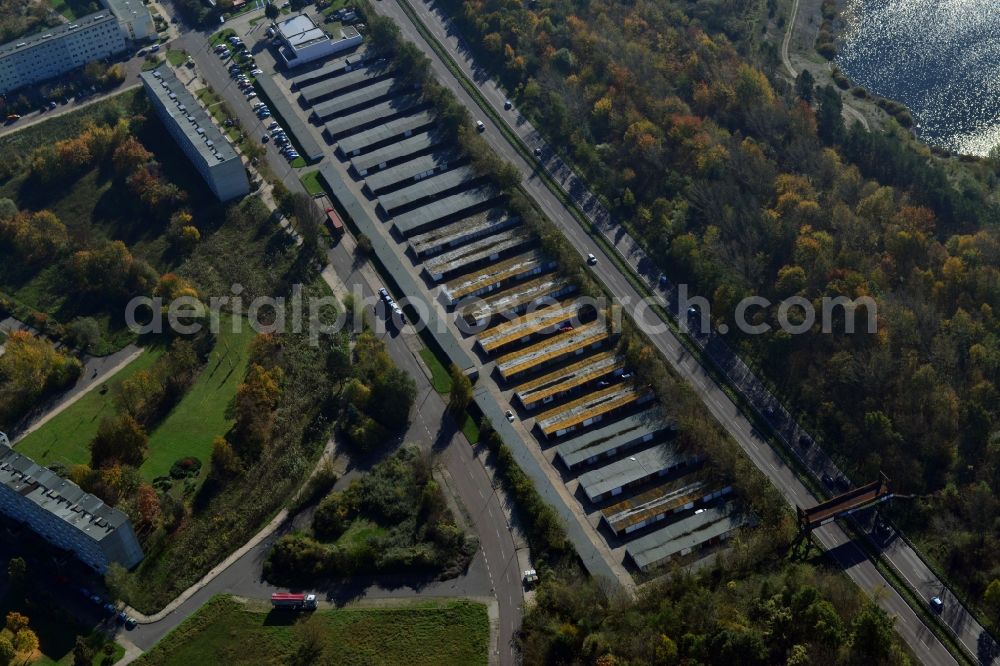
<point x="133" y="17"/>
<point x="64" y="515"/>
<point x="191" y="126"/>
<point x="58" y="50"/>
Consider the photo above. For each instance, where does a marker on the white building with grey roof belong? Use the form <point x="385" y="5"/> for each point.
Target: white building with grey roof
<point x="55" y="51"/>
<point x="134" y="17"/>
<point x="64" y="515"/>
<point x="197" y="135"/>
<point x="303" y="41"/>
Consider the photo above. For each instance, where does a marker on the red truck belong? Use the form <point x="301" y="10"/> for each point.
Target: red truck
<point x="293" y="601"/>
<point x="336" y="225"/>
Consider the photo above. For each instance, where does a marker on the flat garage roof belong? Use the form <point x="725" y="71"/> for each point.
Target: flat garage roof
<point x="289" y="119"/>
<point x="437" y="327"/>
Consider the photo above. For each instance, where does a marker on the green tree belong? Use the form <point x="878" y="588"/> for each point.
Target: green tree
<point x="8" y="209"/>
<point x="991" y="599"/>
<point x="829" y="119"/>
<point x="225" y="463"/>
<point x="461" y="391"/>
<point x="7" y="651"/>
<point x="16" y="622"/>
<point x="271" y="11"/>
<point x="17" y="568"/>
<point x="120" y="439"/>
<point x="392" y="397"/>
<point x="118" y="582"/>
<point x="804" y="86"/>
<point x="872" y="639"/>
<point x="26" y="641"/>
<point x="364" y="247"/>
<point x="83" y="655"/>
<point x="86" y="332"/>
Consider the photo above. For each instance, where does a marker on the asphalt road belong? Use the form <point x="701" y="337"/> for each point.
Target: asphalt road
<point x="495" y="572"/>
<point x="832" y="537"/>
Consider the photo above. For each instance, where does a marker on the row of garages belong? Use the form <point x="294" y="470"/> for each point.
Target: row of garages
<point x="557" y="354"/>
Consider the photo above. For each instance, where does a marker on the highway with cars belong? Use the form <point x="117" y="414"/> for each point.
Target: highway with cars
<point x="832" y="537"/>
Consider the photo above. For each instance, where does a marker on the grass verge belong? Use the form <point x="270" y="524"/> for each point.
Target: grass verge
<point x="310" y="181"/>
<point x="176" y="58"/>
<point x="471" y="429"/>
<point x="440" y="377"/>
<point x="437" y="632"/>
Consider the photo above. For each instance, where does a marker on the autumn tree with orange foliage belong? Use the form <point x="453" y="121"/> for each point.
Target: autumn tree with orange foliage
<point x="31" y="368"/>
<point x="34" y="236"/>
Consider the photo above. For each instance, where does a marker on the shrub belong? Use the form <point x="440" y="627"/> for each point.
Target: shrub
<point x="185" y="468"/>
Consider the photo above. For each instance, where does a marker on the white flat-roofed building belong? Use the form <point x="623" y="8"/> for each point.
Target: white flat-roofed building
<point x="304" y="41"/>
<point x="64" y="515"/>
<point x="195" y="132"/>
<point x="58" y="50"/>
<point x="134" y="18"/>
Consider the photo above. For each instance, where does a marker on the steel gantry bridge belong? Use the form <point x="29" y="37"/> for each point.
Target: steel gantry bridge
<point x="842" y="505"/>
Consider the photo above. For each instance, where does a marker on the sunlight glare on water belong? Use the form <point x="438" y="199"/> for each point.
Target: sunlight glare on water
<point x="939" y="57"/>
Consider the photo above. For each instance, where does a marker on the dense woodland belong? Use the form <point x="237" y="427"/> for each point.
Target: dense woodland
<point x="797" y="617"/>
<point x="741" y="183"/>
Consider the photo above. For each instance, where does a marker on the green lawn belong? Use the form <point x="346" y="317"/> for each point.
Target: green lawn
<point x="471" y="429"/>
<point x="440" y="377"/>
<point x="176" y="58"/>
<point x="201" y="415"/>
<point x="332" y="7"/>
<point x="219" y="110"/>
<point x="438" y="633"/>
<point x="187" y="431"/>
<point x="221" y="37"/>
<point x="311" y="182"/>
<point x="66" y="438"/>
<point x="152" y="62"/>
<point x="298" y="162"/>
<point x="74" y="9"/>
<point x="359" y="531"/>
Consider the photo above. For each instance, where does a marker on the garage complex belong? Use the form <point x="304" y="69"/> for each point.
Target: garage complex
<point x="559" y="360"/>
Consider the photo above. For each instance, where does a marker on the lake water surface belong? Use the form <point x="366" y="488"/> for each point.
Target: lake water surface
<point x="939" y="57"/>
